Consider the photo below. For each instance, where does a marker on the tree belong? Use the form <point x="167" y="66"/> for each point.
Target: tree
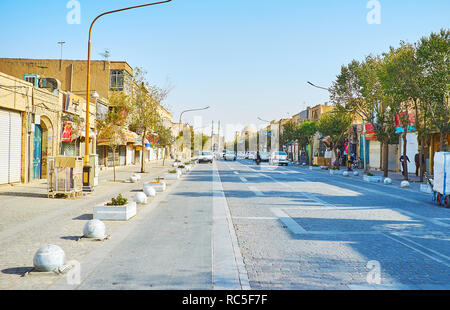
<point x="433" y="57"/>
<point x="289" y="134"/>
<point x="112" y="129"/>
<point x="335" y="125"/>
<point x="305" y="133"/>
<point x="399" y="78"/>
<point x="145" y="114"/>
<point x="166" y="139"/>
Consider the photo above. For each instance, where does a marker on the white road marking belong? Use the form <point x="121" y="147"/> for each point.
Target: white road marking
<point x="292" y="225"/>
<point x="243" y="179"/>
<point x="254" y="218"/>
<point x="417" y="250"/>
<point x="235" y="172"/>
<point x="432" y="220"/>
<point x="256" y="191"/>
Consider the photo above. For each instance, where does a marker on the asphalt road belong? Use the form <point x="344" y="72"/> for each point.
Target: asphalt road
<point x="304" y="229"/>
<point x="235" y="225"/>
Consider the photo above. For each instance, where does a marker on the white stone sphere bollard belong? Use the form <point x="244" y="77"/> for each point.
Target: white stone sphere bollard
<point x="387" y="181"/>
<point x="94" y="229"/>
<point x="140" y="198"/>
<point x="137" y="176"/>
<point x="356" y="173"/>
<point x="49" y="258"/>
<point x="149" y="190"/>
<point x="345" y="174"/>
<point x="133" y="179"/>
<point x="404" y="184"/>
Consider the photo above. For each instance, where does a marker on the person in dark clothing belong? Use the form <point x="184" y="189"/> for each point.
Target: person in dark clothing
<point x="258" y="158"/>
<point x="403" y="159"/>
<point x="418" y="163"/>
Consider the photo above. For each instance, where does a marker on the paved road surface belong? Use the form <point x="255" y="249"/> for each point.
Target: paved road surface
<point x="234" y="225"/>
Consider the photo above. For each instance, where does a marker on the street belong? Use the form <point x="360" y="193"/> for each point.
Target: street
<point x="292" y="228"/>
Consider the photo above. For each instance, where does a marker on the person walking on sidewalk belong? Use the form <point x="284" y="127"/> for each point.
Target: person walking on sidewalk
<point x="418" y="163"/>
<point x="404" y="161"/>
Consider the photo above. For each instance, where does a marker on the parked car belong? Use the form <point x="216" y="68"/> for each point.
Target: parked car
<point x="279" y="158"/>
<point x="223" y="153"/>
<point x="252" y="155"/>
<point x="230" y="155"/>
<point x="241" y="154"/>
<point x="265" y="156"/>
<point x="206" y="156"/>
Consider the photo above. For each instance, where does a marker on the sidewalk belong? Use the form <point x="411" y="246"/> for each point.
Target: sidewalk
<point x="30" y="220"/>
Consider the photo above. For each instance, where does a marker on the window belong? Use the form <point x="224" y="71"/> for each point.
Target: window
<point x="116" y="80"/>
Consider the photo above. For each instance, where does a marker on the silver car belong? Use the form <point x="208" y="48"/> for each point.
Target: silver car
<point x="279" y="158"/>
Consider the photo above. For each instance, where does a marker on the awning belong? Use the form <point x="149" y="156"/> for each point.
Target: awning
<point x="131" y="137"/>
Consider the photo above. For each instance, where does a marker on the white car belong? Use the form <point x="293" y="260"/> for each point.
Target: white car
<point x="264" y="156"/>
<point x="279" y="158"/>
<point x="230" y="155"/>
<point x="206" y="157"/>
<point x="252" y="155"/>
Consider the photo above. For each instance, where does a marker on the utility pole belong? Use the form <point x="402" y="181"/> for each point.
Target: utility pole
<point x="218" y="138"/>
<point x="212" y="136"/>
<point x="60" y="61"/>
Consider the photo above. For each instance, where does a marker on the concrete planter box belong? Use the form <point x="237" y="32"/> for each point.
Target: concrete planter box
<point x="171" y="176"/>
<point x="425" y="188"/>
<point x="159" y="187"/>
<point x="115" y="213"/>
<point x="314" y="168"/>
<point x="182" y="171"/>
<point x="373" y="179"/>
<point x="336" y="172"/>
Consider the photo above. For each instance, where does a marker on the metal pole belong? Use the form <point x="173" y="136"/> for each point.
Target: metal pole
<point x="364" y="145"/>
<point x="86" y="155"/>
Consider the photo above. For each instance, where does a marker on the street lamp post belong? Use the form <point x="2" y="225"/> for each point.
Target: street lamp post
<point x="364" y="131"/>
<point x="86" y="168"/>
<point x="185" y="111"/>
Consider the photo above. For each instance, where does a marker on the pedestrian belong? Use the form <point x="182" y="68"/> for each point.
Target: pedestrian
<point x="403" y="162"/>
<point x="418" y="163"/>
<point x="258" y="158"/>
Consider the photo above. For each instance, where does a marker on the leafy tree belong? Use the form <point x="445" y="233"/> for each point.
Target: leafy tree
<point x="305" y="134"/>
<point x="112" y="129"/>
<point x="433" y="57"/>
<point x="289" y="134"/>
<point x="166" y="139"/>
<point x="335" y="125"/>
<point x="145" y="116"/>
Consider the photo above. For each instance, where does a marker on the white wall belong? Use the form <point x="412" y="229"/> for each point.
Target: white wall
<point x="412" y="148"/>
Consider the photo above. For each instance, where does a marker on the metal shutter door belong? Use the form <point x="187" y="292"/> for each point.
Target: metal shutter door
<point x="15" y="146"/>
<point x="4" y="146"/>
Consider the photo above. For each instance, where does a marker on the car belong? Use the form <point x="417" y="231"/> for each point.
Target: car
<point x="265" y="156"/>
<point x="252" y="155"/>
<point x="279" y="158"/>
<point x="223" y="153"/>
<point x="206" y="156"/>
<point x="230" y="155"/>
<point x="241" y="154"/>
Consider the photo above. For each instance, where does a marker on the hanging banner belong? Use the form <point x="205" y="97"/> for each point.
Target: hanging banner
<point x="398" y="122"/>
<point x="370" y="132"/>
<point x="67" y="133"/>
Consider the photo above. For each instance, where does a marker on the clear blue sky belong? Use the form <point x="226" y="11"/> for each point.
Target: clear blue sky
<point x="244" y="58"/>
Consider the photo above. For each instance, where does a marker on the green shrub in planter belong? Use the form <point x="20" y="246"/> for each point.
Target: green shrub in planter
<point x="172" y="171"/>
<point x="370" y="174"/>
<point x="118" y="201"/>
